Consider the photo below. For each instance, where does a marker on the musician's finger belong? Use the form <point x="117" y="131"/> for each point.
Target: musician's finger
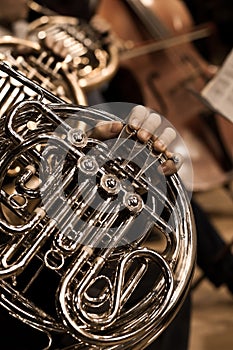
<point x="137" y="116"/>
<point x="149" y="127"/>
<point x="172" y="164"/>
<point x="164" y="140"/>
<point x="106" y="130"/>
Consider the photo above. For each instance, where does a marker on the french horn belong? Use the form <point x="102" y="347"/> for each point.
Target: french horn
<point x="87" y="47"/>
<point x="76" y="214"/>
<point x="41" y="66"/>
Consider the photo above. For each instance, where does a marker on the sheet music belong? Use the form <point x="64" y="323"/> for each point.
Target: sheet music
<point x="219" y="91"/>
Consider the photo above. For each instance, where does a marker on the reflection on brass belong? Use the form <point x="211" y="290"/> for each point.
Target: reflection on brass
<point x="87" y="48"/>
<point x="74" y="220"/>
<point x="40" y="66"/>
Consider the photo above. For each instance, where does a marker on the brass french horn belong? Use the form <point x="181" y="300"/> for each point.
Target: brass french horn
<point x="38" y="65"/>
<point x="74" y="223"/>
<point x="87" y="47"/>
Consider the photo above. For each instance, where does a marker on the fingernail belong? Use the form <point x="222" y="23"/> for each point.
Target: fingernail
<point x="135" y="123"/>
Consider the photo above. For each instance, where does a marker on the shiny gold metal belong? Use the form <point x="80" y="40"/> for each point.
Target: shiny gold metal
<point x="85" y="210"/>
<point x="42" y="67"/>
<point x="39" y="9"/>
<point x="87" y="48"/>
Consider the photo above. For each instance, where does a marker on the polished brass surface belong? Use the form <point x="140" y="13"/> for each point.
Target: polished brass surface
<point x="39" y="9"/>
<point x="76" y="213"/>
<point x="87" y="48"/>
<point x="40" y="66"/>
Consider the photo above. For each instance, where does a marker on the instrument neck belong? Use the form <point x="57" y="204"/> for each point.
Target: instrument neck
<point x="148" y="18"/>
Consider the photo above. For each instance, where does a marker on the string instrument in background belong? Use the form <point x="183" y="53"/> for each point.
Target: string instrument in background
<point x="169" y="79"/>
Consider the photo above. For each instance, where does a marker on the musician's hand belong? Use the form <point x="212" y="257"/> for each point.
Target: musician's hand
<point x="146" y="124"/>
<point x="105" y="130"/>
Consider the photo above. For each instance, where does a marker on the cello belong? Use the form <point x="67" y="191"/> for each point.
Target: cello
<point x="170" y="82"/>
